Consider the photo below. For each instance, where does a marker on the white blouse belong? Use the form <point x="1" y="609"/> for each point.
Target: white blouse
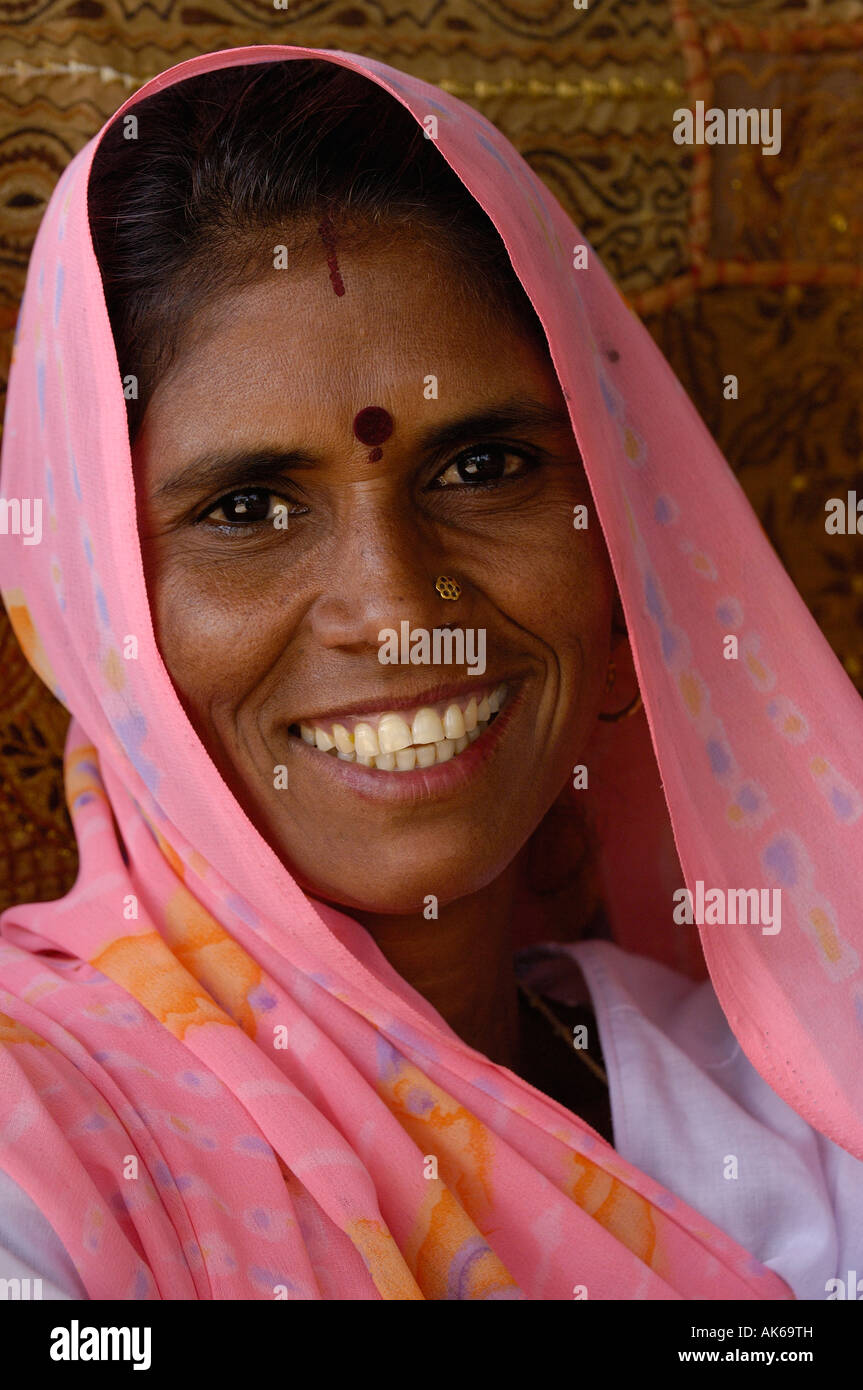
<point x="687" y="1107"/>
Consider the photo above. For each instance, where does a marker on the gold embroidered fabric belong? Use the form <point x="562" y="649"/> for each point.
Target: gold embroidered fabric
<point x="741" y="264"/>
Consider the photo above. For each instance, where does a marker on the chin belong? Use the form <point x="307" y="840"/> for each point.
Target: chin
<point x="406" y="889"/>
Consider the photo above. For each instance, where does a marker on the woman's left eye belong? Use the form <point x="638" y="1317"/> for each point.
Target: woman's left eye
<point x="248" y="507"/>
<point x="492" y="463"/>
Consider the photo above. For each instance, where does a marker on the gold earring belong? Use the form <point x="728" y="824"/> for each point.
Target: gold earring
<point x="633" y="706"/>
<point x="447" y="588"/>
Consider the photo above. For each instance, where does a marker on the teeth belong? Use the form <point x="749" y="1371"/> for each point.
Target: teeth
<point x="366" y="741"/>
<point x="453" y="722"/>
<point x="427" y="727"/>
<point x="344" y="740"/>
<point x="393" y="734"/>
<point x="396" y="745"/>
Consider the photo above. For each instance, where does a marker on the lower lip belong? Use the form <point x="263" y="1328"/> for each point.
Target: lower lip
<point x="423" y="783"/>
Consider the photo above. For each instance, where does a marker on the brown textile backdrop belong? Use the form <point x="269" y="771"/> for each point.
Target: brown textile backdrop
<point x="738" y="263"/>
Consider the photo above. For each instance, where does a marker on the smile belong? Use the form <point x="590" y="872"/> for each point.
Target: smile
<point x="402" y="742"/>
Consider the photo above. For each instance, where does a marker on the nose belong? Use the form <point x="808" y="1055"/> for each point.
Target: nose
<point x="386" y="573"/>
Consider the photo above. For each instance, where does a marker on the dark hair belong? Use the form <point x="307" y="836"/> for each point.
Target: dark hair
<point x="181" y="214"/>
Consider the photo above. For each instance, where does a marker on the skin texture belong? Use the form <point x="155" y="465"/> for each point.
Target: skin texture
<point x="262" y="627"/>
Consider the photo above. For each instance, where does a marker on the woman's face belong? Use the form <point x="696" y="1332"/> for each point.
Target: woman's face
<point x="278" y="549"/>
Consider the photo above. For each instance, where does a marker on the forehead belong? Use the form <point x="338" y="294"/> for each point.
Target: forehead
<point x="290" y="348"/>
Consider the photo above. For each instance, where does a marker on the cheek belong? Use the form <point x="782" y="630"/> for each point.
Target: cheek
<point x="217" y="638"/>
<point x="591" y="596"/>
<point x="577" y="626"/>
<point x="556" y="583"/>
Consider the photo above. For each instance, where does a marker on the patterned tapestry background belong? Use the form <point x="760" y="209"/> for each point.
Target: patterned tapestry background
<point x="737" y="262"/>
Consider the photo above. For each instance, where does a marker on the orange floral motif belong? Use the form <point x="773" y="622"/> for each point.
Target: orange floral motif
<point x="79" y="779"/>
<point x="28" y="638"/>
<point x="168" y="851"/>
<point x="383" y="1259"/>
<point x="615" y="1206"/>
<point x="446" y="1230"/>
<point x="633" y="446"/>
<point x="213" y="957"/>
<point x="439" y="1125"/>
<point x="112" y="669"/>
<point x="826" y="934"/>
<point x="13" y="1032"/>
<point x="692" y="691"/>
<point x="145" y="967"/>
<point x="198" y="864"/>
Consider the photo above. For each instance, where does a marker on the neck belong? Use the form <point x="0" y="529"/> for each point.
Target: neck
<point x="462" y="963"/>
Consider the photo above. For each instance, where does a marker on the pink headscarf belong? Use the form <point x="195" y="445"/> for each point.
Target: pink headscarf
<point x="175" y="1150"/>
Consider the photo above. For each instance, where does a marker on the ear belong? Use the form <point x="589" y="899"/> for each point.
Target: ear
<point x="624" y="687"/>
<point x="618" y="621"/>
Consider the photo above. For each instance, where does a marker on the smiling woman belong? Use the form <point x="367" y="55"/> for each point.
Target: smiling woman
<point x="367" y="967"/>
<point x="247" y="403"/>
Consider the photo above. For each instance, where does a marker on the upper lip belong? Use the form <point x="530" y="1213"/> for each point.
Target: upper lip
<point x="382" y="704"/>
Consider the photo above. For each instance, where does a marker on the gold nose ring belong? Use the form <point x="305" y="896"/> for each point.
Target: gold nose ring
<point x="447" y="588"/>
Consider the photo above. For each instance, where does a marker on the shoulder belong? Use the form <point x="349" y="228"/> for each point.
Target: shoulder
<point x="690" y="1109"/>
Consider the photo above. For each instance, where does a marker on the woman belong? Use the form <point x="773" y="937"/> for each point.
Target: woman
<point x="346" y="395"/>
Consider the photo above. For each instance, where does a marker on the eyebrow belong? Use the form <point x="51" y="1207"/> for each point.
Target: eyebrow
<point x="240" y="467"/>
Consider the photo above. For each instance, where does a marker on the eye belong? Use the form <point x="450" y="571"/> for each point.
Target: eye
<point x="252" y="506"/>
<point x="487" y="464"/>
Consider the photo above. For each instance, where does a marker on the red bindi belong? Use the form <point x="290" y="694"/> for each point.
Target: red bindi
<point x="328" y="237"/>
<point x="374" y="425"/>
